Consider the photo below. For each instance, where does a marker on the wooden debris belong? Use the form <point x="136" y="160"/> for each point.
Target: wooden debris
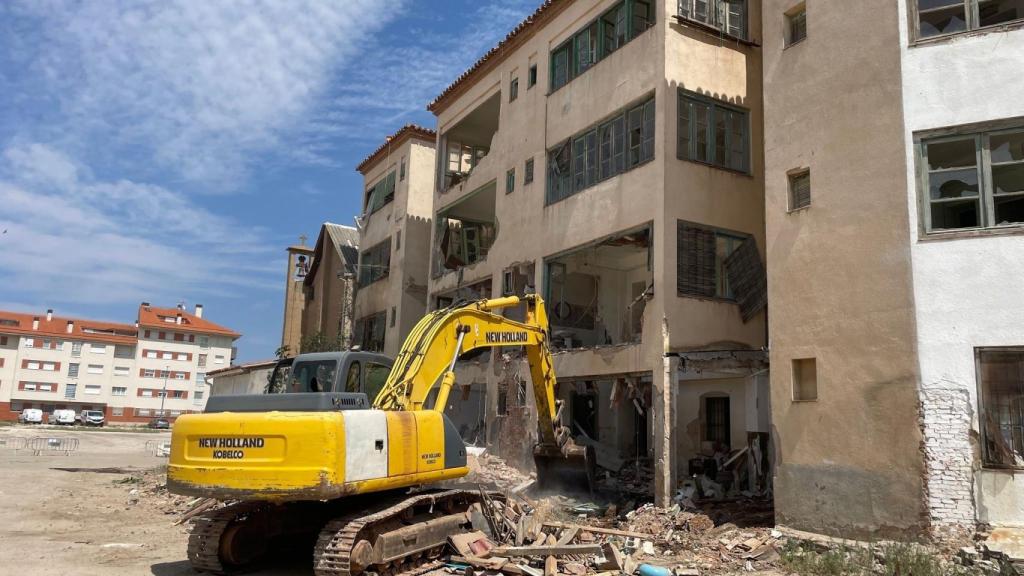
<point x="556" y="550"/>
<point x="197" y="508"/>
<point x="550" y="566"/>
<point x="463" y="543"/>
<point x="568" y="535"/>
<point x="598" y="530"/>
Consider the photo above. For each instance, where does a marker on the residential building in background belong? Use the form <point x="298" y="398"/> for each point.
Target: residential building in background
<point x="894" y="138"/>
<point x="53" y="362"/>
<point x="608" y="155"/>
<point x="329" y="287"/>
<point x="299" y="257"/>
<point x="394" y="239"/>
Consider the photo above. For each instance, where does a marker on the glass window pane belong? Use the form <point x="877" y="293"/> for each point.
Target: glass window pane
<point x="591" y="139"/>
<point x="701" y="113"/>
<point x="952" y="154"/>
<point x="955" y="184"/>
<point x="619" y="144"/>
<point x="579" y="164"/>
<point x="605" y="149"/>
<point x="642" y="19"/>
<point x="937" y="21"/>
<point x="1008" y="178"/>
<point x="1002" y="391"/>
<point x="685" y="119"/>
<point x="957" y="214"/>
<point x="647" y="148"/>
<point x="1009" y="209"/>
<point x="1007" y="147"/>
<point x="738" y="142"/>
<point x="721" y="135"/>
<point x="992" y="12"/>
<point x="635" y="134"/>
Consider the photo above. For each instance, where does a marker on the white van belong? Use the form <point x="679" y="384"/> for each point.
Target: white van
<point x="62" y="417"/>
<point x="31" y="416"/>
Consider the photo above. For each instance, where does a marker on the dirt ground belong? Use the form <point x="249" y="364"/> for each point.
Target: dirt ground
<point x="76" y="514"/>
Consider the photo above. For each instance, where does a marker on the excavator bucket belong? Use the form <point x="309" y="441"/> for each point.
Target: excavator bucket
<point x="570" y="468"/>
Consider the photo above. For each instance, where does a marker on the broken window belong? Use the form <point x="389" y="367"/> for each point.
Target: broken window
<point x="380" y="194"/>
<point x="467" y="143"/>
<point x="622" y="142"/>
<point x="712" y="132"/>
<point x="1001" y="383"/>
<point x="805" y="380"/>
<point x="596" y="295"/>
<point x="467" y="229"/>
<point x="728" y="16"/>
<point x="717" y="428"/>
<point x="531" y="77"/>
<point x="598" y="39"/>
<point x="375" y="263"/>
<point x="714" y="263"/>
<point x="510" y="181"/>
<point x="370" y="331"/>
<point x="796" y="25"/>
<point x="940" y="17"/>
<point x="973" y="181"/>
<point x="513" y="89"/>
<point x="799" y="190"/>
<point x="528" y="171"/>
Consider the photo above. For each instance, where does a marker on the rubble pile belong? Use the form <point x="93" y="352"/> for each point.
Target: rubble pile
<point x="491" y="471"/>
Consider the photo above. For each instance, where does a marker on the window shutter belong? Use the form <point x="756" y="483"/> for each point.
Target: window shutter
<point x="801" y="191"/>
<point x="747" y="279"/>
<point x="696" y="261"/>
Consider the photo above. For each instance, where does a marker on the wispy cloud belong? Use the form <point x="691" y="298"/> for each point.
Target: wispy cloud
<point x="84" y="241"/>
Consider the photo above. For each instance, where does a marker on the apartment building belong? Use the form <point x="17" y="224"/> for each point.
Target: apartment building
<point x="608" y="156"/>
<point x="53" y="362"/>
<point x="894" y="138"/>
<point x="394" y="239"/>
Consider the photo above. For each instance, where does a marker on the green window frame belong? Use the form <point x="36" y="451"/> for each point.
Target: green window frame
<point x="380" y="194"/>
<point x="620" y="143"/>
<point x="618" y="25"/>
<point x="972" y="180"/>
<point x="701" y="255"/>
<point x="375" y="263"/>
<point x="510" y="181"/>
<point x="727" y="16"/>
<point x="712" y="132"/>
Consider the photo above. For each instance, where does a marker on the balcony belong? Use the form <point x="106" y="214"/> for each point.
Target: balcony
<point x="466" y="147"/>
<point x="466" y="230"/>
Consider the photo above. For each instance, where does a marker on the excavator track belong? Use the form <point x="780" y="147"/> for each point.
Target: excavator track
<point x="204" y="542"/>
<point x="342" y="547"/>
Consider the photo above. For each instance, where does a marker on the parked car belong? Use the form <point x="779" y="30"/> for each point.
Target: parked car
<point x="159" y="423"/>
<point x="31" y="416"/>
<point x="62" y="417"/>
<point x="92" y="418"/>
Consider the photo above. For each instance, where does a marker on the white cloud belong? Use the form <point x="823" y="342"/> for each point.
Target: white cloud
<point x="97" y="242"/>
<point x="199" y="86"/>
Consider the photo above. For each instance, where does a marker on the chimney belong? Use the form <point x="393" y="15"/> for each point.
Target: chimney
<point x="49" y="314"/>
<point x="35" y="322"/>
<point x="199" y="310"/>
<point x="145" y="304"/>
<point x="71" y="326"/>
<point x="177" y="319"/>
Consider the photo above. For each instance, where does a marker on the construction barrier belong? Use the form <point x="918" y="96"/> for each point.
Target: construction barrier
<point x="13" y="443"/>
<point x="159" y="448"/>
<point x="42" y="444"/>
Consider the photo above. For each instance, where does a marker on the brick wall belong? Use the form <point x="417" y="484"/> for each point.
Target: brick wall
<point x="949" y="461"/>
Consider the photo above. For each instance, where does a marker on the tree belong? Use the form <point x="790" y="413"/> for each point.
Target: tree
<point x="319" y="342"/>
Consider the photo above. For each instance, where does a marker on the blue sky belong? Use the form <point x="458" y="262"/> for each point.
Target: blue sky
<point x="169" y="151"/>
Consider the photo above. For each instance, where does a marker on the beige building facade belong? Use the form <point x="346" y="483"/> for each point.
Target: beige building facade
<point x="299" y="257"/>
<point x="329" y="286"/>
<point x="394" y="239"/>
<point x="607" y="155"/>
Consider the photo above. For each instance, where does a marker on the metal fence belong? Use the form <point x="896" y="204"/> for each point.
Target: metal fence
<point x="159" y="448"/>
<point x="13" y="443"/>
<point x="42" y="444"/>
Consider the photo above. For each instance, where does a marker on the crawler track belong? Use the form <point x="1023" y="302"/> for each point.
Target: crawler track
<point x="204" y="541"/>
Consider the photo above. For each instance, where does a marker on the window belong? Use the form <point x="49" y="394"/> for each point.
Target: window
<point x="940" y="17"/>
<point x="352" y="378"/>
<point x="701" y="264"/>
<point x="200" y="379"/>
<point x="167" y="356"/>
<point x="510" y="180"/>
<point x="179" y="375"/>
<point x="973" y="181"/>
<point x="142" y="412"/>
<point x="124" y="351"/>
<point x="151" y="354"/>
<point x="179" y="337"/>
<point x="376" y="377"/>
<point x="204" y="342"/>
<point x="98" y="348"/>
<point x="197" y="397"/>
<point x="528" y="172"/>
<point x="394" y="315"/>
<point x="181" y="356"/>
<point x="370" y="332"/>
<point x="805" y="379"/>
<point x="30" y="343"/>
<point x="1001" y="398"/>
<point x="612" y="30"/>
<point x="146" y="392"/>
<point x="202" y="360"/>
<point x="147" y="333"/>
<point x="727" y="16"/>
<point x="149" y="373"/>
<point x="116" y="411"/>
<point x="398" y="240"/>
<point x="401" y="170"/>
<point x="716" y="421"/>
<point x="119" y="391"/>
<point x="796" y="25"/>
<point x="73" y="370"/>
<point x="95" y="369"/>
<point x="621" y="143"/>
<point x="513" y="89"/>
<point x="70" y="390"/>
<point x="76" y="349"/>
<point x="162" y="335"/>
<point x="120" y="371"/>
<point x="380" y="194"/>
<point x="531" y="77"/>
<point x="375" y="263"/>
<point x="92" y="389"/>
<point x="712" y="132"/>
<point x="218" y="359"/>
<point x="799" y="190"/>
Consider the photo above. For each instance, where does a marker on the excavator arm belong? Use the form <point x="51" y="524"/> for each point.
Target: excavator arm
<point x="427" y="360"/>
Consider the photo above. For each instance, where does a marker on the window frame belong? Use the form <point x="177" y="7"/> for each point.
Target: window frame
<point x="528" y="168"/>
<point x="719" y="265"/>
<point x="364" y="279"/>
<point x="510" y="180"/>
<point x="982" y="403"/>
<point x="792" y="178"/>
<point x="714" y="15"/>
<point x="513" y="89"/>
<point x="972" y="22"/>
<point x="982" y="135"/>
<point x="713" y="105"/>
<point x="797" y="12"/>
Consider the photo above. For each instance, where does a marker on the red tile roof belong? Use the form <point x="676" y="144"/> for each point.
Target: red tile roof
<point x="153" y="317"/>
<point x="395" y="140"/>
<point x="514" y="39"/>
<point x="92" y="330"/>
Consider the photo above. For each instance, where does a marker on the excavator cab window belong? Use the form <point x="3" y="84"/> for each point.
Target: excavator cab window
<point x="352" y="378"/>
<point x="314" y="376"/>
<point x="376" y="376"/>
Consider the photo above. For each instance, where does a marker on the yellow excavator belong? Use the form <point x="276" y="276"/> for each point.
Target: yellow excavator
<point x="354" y="479"/>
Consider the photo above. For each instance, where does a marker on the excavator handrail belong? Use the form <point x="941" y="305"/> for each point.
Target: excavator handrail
<point x="427" y="358"/>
